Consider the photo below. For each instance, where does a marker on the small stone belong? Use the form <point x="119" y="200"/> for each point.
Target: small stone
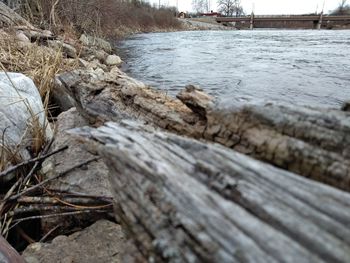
<point x="99" y="73"/>
<point x="83" y="63"/>
<point x="93" y="244"/>
<point x="20" y="36"/>
<point x="67" y="49"/>
<point x="47" y="33"/>
<point x="113" y="60"/>
<point x="95" y="41"/>
<point x="100" y="55"/>
<point x="84" y="39"/>
<point x="94" y="64"/>
<point x="36" y="246"/>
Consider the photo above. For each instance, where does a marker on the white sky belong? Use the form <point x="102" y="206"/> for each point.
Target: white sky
<point x="263" y="7"/>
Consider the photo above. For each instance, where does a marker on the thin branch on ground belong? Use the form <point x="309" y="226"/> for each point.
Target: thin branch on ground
<point x="35" y="187"/>
<point x="14" y="168"/>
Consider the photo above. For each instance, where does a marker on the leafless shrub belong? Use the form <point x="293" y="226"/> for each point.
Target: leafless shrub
<point x="99" y="17"/>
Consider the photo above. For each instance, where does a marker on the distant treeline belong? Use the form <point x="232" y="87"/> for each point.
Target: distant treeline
<point x="101" y="17"/>
<point x="342" y="9"/>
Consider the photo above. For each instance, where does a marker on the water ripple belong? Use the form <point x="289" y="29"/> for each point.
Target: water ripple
<point x="306" y="67"/>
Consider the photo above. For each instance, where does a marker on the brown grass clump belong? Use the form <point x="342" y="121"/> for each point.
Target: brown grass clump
<point x="37" y="62"/>
<point x="8" y="155"/>
<point x="41" y="64"/>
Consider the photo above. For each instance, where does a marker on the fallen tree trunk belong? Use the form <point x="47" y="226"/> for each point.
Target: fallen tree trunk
<point x="312" y="142"/>
<point x="186" y="201"/>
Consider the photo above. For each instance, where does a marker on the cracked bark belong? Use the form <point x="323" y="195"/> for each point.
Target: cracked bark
<point x="186" y="201"/>
<point x="314" y="143"/>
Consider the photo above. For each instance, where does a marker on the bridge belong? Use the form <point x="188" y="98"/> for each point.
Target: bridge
<point x="315" y="20"/>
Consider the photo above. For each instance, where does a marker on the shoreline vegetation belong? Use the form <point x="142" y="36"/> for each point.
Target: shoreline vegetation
<point x="93" y="160"/>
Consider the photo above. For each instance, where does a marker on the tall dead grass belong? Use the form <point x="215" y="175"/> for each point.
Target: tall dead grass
<point x="37" y="62"/>
<point x="41" y="64"/>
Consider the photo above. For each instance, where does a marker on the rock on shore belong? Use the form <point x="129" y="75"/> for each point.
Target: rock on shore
<point x="21" y="113"/>
<point x="100" y="243"/>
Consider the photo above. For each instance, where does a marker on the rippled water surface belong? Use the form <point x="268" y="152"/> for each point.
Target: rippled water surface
<point x="301" y="67"/>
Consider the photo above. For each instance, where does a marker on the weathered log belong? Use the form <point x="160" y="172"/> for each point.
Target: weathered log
<point x="8" y="17"/>
<point x="8" y="254"/>
<point x="312" y="142"/>
<point x="186" y="201"/>
<point x="115" y="96"/>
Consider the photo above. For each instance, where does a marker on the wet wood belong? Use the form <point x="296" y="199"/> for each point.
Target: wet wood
<point x="186" y="201"/>
<point x="314" y="143"/>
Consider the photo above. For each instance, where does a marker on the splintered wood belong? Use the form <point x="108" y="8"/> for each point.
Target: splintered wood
<point x="314" y="143"/>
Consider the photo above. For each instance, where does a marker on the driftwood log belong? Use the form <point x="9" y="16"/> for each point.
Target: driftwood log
<point x="8" y="17"/>
<point x="186" y="201"/>
<point x="312" y="142"/>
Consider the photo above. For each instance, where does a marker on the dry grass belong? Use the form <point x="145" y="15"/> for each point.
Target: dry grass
<point x="8" y="155"/>
<point x="41" y="64"/>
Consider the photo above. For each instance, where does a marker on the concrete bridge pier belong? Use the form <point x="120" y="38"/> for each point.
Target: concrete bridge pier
<point x="252" y="21"/>
<point x="319" y="24"/>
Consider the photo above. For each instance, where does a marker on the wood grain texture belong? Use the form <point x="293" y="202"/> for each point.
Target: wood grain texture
<point x="314" y="143"/>
<point x="186" y="201"/>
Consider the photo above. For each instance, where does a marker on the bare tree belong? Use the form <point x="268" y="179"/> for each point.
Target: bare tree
<point x="343" y="3"/>
<point x="200" y="6"/>
<point x="230" y="7"/>
<point x="342" y="9"/>
<point x="14" y="4"/>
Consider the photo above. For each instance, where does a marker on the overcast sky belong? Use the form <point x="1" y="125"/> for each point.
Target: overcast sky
<point x="267" y="6"/>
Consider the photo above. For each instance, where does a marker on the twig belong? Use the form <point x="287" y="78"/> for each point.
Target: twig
<point x="30" y="174"/>
<point x="31" y="189"/>
<point x="49" y="233"/>
<point x="18" y="221"/>
<point x="43" y="208"/>
<point x="9" y="193"/>
<point x="46" y="149"/>
<point x="14" y="168"/>
<point x="25" y="236"/>
<point x="19" y="181"/>
<point x="77" y="194"/>
<point x="54" y="200"/>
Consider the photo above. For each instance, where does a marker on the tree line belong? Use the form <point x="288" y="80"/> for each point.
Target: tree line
<point x="225" y="7"/>
<point x="100" y="17"/>
<point x="234" y="7"/>
<point x="342" y="9"/>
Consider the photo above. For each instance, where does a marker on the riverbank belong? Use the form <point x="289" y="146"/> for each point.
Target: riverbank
<point x="169" y="192"/>
<point x="204" y="24"/>
<point x="185" y="24"/>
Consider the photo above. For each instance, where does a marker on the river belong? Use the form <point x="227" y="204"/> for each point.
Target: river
<point x="304" y="67"/>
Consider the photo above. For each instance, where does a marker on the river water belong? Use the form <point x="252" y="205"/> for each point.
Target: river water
<point x="305" y="67"/>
